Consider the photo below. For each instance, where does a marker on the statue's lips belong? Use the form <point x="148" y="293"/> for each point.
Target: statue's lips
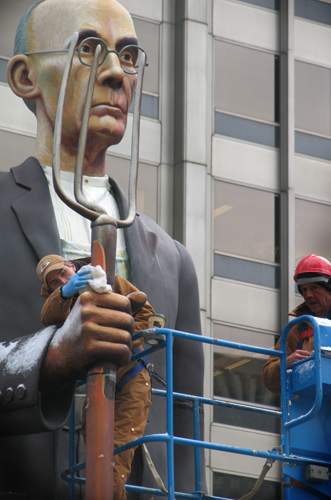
<point x="107" y="109"/>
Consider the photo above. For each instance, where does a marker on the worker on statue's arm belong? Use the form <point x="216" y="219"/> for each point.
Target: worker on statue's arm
<point x="313" y="277"/>
<point x="62" y="281"/>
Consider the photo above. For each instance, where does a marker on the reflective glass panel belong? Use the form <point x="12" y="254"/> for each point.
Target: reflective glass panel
<point x="244" y="221"/>
<point x="312" y="98"/>
<point x="246" y="130"/>
<point x="238" y="377"/>
<point x="149" y="106"/>
<point x="3" y="70"/>
<point x="11" y="13"/>
<point x="237" y="374"/>
<point x="316" y="10"/>
<point x="268" y="4"/>
<point x="312" y="145"/>
<point x="245" y="81"/>
<point x="231" y="486"/>
<point x="119" y="168"/>
<point x="246" y="270"/>
<point x="149" y="39"/>
<point x="246" y="420"/>
<point x="311" y="229"/>
<point x="15" y="149"/>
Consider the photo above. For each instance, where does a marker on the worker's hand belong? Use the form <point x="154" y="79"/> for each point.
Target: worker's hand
<point x="296" y="356"/>
<point x="99" y="328"/>
<point x="77" y="282"/>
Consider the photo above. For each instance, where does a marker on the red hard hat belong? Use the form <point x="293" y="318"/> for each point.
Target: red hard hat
<point x="312" y="269"/>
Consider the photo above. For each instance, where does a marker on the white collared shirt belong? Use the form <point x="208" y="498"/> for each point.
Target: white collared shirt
<point x="75" y="230"/>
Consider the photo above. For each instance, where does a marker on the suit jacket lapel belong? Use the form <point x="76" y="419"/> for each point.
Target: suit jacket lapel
<point x="34" y="210"/>
<point x="35" y="214"/>
<point x="141" y="244"/>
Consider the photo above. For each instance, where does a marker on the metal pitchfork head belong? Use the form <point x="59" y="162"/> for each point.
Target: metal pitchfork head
<point x="101" y="378"/>
<point x="85" y="208"/>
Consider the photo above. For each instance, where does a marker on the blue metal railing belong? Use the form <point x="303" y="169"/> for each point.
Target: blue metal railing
<point x="283" y="454"/>
<point x="319" y="390"/>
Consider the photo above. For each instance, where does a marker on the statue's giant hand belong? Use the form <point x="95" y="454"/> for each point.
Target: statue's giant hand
<point x="98" y="328"/>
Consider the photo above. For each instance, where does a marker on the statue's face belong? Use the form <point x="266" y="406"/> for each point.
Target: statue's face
<point x="114" y="89"/>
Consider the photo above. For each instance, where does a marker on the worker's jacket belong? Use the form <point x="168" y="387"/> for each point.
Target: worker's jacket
<point x="271" y="370"/>
<point x="56" y="310"/>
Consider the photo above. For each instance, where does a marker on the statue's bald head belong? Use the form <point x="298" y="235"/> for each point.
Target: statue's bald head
<point x="50" y="24"/>
<point x="22" y="33"/>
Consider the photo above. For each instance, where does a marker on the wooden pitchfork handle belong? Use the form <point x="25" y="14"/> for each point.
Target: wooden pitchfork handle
<point x="101" y="378"/>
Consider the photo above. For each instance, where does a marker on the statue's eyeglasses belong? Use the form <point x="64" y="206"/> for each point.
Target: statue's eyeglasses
<point x="129" y="57"/>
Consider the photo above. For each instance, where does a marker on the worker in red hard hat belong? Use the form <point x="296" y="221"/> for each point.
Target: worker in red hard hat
<point x="313" y="277"/>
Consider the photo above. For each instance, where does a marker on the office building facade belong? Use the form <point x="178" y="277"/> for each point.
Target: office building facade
<point x="235" y="162"/>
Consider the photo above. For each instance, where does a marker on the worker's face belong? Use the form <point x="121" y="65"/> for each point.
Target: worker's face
<point x="317" y="298"/>
<point x="60" y="277"/>
<point x="114" y="89"/>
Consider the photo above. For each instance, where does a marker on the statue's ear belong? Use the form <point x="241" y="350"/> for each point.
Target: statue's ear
<point x="22" y="77"/>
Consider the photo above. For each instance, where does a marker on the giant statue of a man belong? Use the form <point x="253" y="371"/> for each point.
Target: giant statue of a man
<point x="38" y="366"/>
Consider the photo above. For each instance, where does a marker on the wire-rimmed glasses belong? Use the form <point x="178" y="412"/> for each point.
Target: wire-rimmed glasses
<point x="129" y="56"/>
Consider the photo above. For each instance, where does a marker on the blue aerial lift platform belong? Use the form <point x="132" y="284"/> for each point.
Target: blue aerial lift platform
<point x="306" y="407"/>
<point x="305" y="450"/>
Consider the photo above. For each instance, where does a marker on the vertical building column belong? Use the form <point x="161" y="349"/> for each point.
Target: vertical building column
<point x="287" y="214"/>
<point x="190" y="131"/>
<point x="167" y="96"/>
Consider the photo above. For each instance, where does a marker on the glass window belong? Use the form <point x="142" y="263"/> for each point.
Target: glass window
<point x="15" y="149"/>
<point x="312" y="98"/>
<point x="312" y="234"/>
<point x="119" y="168"/>
<point x="269" y="4"/>
<point x="316" y="10"/>
<point x="245" y="81"/>
<point x="244" y="222"/>
<point x="149" y="106"/>
<point x="231" y="486"/>
<point x="238" y="377"/>
<point x="148" y="37"/>
<point x="312" y="145"/>
<point x="246" y="420"/>
<point x="11" y="13"/>
<point x="246" y="270"/>
<point x="3" y="69"/>
<point x="246" y="130"/>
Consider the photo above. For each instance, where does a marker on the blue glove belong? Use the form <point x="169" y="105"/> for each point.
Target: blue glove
<point x="77" y="282"/>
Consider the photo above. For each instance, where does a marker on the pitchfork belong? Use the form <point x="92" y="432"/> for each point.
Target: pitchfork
<point x="100" y="391"/>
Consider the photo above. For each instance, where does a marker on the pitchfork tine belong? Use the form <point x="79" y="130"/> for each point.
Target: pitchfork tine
<point x="82" y="141"/>
<point x="135" y="147"/>
<point x="58" y="137"/>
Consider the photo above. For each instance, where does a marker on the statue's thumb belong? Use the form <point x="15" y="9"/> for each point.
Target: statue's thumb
<point x="137" y="300"/>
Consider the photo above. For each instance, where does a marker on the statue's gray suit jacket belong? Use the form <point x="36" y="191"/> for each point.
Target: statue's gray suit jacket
<point x="161" y="267"/>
